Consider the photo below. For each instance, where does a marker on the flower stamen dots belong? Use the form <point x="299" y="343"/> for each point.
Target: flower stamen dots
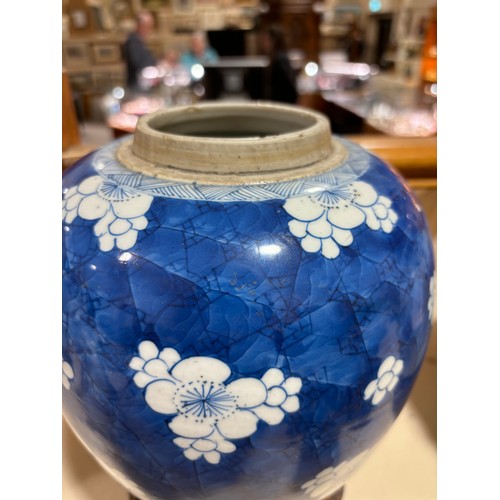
<point x="207" y="411"/>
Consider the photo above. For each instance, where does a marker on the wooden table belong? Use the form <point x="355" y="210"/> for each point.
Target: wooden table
<point x="414" y="157"/>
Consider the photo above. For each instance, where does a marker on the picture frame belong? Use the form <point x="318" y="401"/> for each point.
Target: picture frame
<point x="76" y="55"/>
<point x="183" y="6"/>
<point x="106" y="53"/>
<point x="125" y="9"/>
<point x="82" y="21"/>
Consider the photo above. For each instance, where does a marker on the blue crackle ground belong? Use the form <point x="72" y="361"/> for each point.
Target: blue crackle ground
<point x="201" y="279"/>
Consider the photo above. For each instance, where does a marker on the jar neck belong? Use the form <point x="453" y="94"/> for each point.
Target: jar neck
<point x="225" y="143"/>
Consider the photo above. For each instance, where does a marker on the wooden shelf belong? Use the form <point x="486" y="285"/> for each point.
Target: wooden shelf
<point x="98" y="68"/>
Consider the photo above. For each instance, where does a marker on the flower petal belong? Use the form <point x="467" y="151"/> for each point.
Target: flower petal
<point x="273" y="376"/>
<point x="69" y="216"/>
<point x="297" y="228"/>
<point x="142" y="379"/>
<point x="90" y="185"/>
<point x="139" y="223"/>
<point x="371" y="221"/>
<point x="183" y="442"/>
<point x="380" y="211"/>
<point x="127" y="241"/>
<point x="69" y="193"/>
<point x="386" y="366"/>
<point x="393" y="383"/>
<point x="272" y="415"/>
<point x="101" y="226"/>
<point x="187" y="427"/>
<point x="136" y="363"/>
<point x="276" y="396"/>
<point x="106" y="243"/>
<point x="147" y="350"/>
<point x="324" y="473"/>
<point x="249" y="392"/>
<point x="387" y="226"/>
<point x="192" y="454"/>
<point x="119" y="226"/>
<point x="329" y="248"/>
<point x="364" y="194"/>
<point x="212" y="457"/>
<point x="398" y="366"/>
<point x="303" y="208"/>
<point x="346" y="216"/>
<point x="132" y="206"/>
<point x="310" y="244"/>
<point x="326" y="489"/>
<point x="342" y="236"/>
<point x="307" y="485"/>
<point x="67" y="369"/>
<point x="241" y="424"/>
<point x="320" y="228"/>
<point x="204" y="445"/>
<point x="225" y="446"/>
<point x="292" y="385"/>
<point x="201" y="367"/>
<point x="72" y="202"/>
<point x="159" y="396"/>
<point x="157" y="368"/>
<point x="383" y="200"/>
<point x="393" y="217"/>
<point x="385" y="380"/>
<point x="291" y="404"/>
<point x="378" y="396"/>
<point x="370" y="389"/>
<point x="170" y="356"/>
<point x="93" y="207"/>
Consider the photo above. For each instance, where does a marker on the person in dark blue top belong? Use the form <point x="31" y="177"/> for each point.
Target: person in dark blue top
<point x="136" y="54"/>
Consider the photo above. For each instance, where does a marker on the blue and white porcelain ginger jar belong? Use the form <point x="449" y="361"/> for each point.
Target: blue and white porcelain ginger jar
<point x="247" y="303"/>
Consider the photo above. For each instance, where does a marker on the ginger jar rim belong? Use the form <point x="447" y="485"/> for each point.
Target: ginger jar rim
<point x="232" y="143"/>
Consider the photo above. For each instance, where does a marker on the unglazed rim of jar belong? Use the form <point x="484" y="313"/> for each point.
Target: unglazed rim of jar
<point x="232" y="143"/>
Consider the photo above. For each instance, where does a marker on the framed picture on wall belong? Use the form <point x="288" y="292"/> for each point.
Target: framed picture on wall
<point x="76" y="55"/>
<point x="106" y="53"/>
<point x="81" y="18"/>
<point x="124" y="9"/>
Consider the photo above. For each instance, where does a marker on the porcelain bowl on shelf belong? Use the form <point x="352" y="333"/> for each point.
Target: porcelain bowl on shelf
<point x="246" y="303"/>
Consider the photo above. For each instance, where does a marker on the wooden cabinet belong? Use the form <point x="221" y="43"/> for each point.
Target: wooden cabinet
<point x="300" y="22"/>
<point x="70" y="129"/>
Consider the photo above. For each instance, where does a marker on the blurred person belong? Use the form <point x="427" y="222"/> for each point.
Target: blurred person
<point x="278" y="81"/>
<point x="354" y="43"/>
<point x="199" y="52"/>
<point x="135" y="51"/>
<point x="172" y="59"/>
